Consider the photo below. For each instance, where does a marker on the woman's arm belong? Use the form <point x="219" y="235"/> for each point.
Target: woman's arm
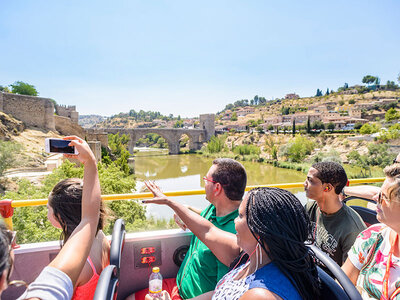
<point x="351" y="271"/>
<point x="364" y="191"/>
<point x="72" y="256"/>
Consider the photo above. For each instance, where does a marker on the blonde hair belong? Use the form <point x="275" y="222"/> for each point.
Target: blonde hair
<point x="393" y="172"/>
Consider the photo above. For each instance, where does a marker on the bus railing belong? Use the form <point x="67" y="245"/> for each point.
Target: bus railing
<point x="7" y="206"/>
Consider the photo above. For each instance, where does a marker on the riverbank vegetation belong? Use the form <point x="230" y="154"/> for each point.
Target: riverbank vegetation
<point x="299" y="152"/>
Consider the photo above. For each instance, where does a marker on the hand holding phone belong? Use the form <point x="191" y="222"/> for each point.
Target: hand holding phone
<point x="59" y="146"/>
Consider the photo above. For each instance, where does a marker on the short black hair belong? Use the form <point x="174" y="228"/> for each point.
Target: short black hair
<point x="232" y="176"/>
<point x="333" y="173"/>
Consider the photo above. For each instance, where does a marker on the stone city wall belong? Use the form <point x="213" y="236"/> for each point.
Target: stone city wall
<point x="68" y="112"/>
<point x="95" y="135"/>
<point x="33" y="111"/>
<point x="65" y="126"/>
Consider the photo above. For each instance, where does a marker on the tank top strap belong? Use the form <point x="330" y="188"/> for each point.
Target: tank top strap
<point x="89" y="260"/>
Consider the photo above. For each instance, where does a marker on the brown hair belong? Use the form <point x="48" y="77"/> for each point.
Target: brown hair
<point x="393" y="172"/>
<point x="66" y="201"/>
<point x="232" y="176"/>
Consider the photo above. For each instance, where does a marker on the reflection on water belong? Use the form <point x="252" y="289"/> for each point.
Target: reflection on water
<point x="185" y="172"/>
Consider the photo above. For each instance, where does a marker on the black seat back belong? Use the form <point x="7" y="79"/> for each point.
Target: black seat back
<point x="368" y="215"/>
<point x="117" y="244"/>
<point x="328" y="283"/>
<point x="107" y="286"/>
<point x="330" y="289"/>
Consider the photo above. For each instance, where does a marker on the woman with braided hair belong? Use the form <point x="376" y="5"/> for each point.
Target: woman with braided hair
<point x="272" y="228"/>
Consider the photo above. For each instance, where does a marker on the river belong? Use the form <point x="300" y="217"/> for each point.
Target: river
<point x="186" y="171"/>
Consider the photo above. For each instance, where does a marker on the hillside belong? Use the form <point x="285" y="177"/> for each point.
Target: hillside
<point x="89" y="121"/>
<point x="9" y="126"/>
<point x="334" y="101"/>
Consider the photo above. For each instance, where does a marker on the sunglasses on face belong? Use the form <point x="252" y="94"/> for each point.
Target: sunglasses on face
<point x="206" y="179"/>
<point x="381" y="199"/>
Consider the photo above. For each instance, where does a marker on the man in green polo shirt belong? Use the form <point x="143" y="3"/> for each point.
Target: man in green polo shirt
<point x="200" y="271"/>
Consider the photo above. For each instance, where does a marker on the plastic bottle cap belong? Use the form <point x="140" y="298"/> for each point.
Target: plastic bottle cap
<point x="156" y="269"/>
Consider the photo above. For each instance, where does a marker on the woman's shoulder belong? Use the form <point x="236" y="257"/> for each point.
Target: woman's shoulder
<point x="373" y="231"/>
<point x="271" y="278"/>
<point x="259" y="293"/>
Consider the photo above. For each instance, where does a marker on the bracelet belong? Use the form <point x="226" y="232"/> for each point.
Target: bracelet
<point x="395" y="161"/>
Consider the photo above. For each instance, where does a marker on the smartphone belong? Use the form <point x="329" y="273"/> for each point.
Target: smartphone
<point x="59" y="146"/>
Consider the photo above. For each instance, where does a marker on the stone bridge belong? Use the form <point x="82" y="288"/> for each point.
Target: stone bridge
<point x="171" y="135"/>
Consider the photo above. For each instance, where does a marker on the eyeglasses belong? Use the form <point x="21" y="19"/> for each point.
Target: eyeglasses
<point x="206" y="179"/>
<point x="381" y="199"/>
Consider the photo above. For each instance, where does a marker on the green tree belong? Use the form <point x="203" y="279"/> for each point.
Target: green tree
<point x="369" y="128"/>
<point x="119" y="151"/>
<point x="318" y="125"/>
<point x="234" y="116"/>
<point x="358" y="125"/>
<point x="297" y="149"/>
<point x="216" y="144"/>
<point x="369" y="79"/>
<point x="391" y="86"/>
<point x="4" y="89"/>
<point x="319" y="93"/>
<point x="178" y="124"/>
<point x="352" y="101"/>
<point x="294" y="127"/>
<point x="8" y="150"/>
<point x="308" y="127"/>
<point x="341" y="102"/>
<point x="391" y="115"/>
<point x="23" y="88"/>
<point x="327" y="92"/>
<point x="330" y="126"/>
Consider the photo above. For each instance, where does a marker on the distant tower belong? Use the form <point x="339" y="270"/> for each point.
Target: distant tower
<point x="207" y="123"/>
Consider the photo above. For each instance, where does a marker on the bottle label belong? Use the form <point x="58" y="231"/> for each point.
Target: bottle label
<point x="155" y="286"/>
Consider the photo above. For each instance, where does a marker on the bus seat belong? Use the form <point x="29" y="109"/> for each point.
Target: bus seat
<point x="330" y="289"/>
<point x="368" y="215"/>
<point x="329" y="286"/>
<point x="107" y="286"/>
<point x="117" y="244"/>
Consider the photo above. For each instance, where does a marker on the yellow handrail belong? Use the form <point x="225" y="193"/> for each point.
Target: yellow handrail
<point x="36" y="202"/>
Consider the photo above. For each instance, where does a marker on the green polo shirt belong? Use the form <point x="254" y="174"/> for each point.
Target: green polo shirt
<point x="201" y="270"/>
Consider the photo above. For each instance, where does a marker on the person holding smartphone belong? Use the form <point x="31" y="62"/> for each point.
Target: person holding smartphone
<point x="58" y="279"/>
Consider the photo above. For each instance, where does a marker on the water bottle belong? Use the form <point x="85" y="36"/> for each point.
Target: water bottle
<point x="155" y="283"/>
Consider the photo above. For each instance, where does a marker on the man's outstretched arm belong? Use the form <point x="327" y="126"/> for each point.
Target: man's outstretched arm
<point x="222" y="243"/>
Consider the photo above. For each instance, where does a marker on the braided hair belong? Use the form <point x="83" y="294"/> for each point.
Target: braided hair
<point x="279" y="219"/>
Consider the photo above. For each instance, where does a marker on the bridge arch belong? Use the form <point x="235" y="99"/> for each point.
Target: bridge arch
<point x="171" y="135"/>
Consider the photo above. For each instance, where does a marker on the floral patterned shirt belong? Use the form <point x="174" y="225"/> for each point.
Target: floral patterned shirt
<point x="369" y="254"/>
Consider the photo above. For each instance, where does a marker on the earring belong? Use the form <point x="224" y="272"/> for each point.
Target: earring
<point x="256" y="257"/>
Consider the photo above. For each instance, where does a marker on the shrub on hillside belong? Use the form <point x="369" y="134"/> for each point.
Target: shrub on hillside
<point x="246" y="150"/>
<point x="7" y="155"/>
<point x="369" y="128"/>
<point x="216" y="144"/>
<point x="297" y="149"/>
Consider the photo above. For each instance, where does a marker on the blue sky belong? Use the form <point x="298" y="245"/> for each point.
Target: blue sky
<point x="191" y="57"/>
